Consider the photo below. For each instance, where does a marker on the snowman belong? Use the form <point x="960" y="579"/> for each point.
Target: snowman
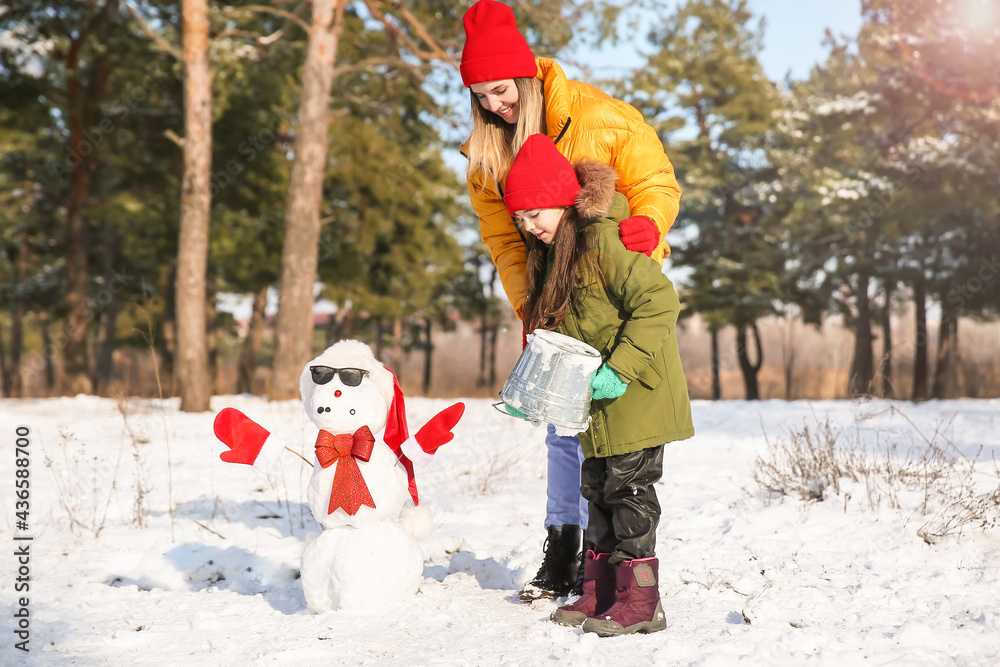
<point x="362" y="491"/>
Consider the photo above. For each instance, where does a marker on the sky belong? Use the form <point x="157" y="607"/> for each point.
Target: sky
<point x="793" y="36"/>
<point x="794" y="32"/>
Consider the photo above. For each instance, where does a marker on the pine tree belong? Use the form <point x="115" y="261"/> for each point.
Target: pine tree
<point x="409" y="38"/>
<point x="884" y="190"/>
<point x="703" y="78"/>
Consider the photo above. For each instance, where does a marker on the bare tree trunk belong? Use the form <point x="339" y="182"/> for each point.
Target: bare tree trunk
<point x="16" y="388"/>
<point x="17" y="321"/>
<point x="105" y="356"/>
<point x="50" y="371"/>
<point x="212" y="332"/>
<point x="946" y="368"/>
<point x="428" y="355"/>
<point x="395" y="356"/>
<point x="920" y="344"/>
<point x="4" y="370"/>
<point x="82" y="111"/>
<point x="716" y="381"/>
<point x="300" y="254"/>
<point x="335" y="326"/>
<point x="483" y="349"/>
<point x="749" y="369"/>
<point x="885" y="364"/>
<point x="863" y="364"/>
<point x="76" y="363"/>
<point x="332" y="329"/>
<point x="377" y="322"/>
<point x="168" y="352"/>
<point x="788" y="357"/>
<point x="494" y="332"/>
<point x="192" y="372"/>
<point x="251" y="344"/>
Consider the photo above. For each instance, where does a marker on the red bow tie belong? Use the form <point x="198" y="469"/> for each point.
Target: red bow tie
<point x="349" y="490"/>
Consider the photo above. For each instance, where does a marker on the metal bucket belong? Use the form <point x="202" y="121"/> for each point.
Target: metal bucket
<point x="551" y="380"/>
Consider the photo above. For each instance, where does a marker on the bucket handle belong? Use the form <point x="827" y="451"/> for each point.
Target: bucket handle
<point x="534" y="422"/>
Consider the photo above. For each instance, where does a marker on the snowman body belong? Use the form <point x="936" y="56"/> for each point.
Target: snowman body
<point x="368" y="559"/>
<point x="361" y="569"/>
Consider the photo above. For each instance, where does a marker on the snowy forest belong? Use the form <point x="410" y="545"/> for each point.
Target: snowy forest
<point x="159" y="158"/>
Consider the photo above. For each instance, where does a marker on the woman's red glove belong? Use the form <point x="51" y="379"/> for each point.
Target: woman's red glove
<point x="639" y="234"/>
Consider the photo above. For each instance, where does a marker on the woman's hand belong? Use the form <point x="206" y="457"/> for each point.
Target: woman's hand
<point x="606" y="384"/>
<point x="639" y="234"/>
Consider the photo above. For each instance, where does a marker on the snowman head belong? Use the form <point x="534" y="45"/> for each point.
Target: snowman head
<point x="346" y="388"/>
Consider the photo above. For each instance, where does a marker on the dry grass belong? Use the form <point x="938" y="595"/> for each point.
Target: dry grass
<point x="137" y="439"/>
<point x="933" y="481"/>
<point x="84" y="485"/>
<point x="499" y="459"/>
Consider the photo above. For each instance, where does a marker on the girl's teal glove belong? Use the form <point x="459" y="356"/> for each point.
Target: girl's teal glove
<point x="514" y="411"/>
<point x="606" y="384"/>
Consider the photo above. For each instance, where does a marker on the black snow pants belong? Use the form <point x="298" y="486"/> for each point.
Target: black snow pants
<point x="624" y="510"/>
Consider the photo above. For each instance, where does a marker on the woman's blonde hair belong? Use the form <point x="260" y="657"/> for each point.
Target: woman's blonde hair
<point x="494" y="142"/>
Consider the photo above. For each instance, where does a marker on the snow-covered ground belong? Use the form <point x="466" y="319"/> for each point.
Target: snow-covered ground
<point x="746" y="578"/>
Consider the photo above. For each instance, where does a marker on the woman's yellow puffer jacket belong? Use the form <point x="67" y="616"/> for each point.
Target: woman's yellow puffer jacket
<point x="583" y="122"/>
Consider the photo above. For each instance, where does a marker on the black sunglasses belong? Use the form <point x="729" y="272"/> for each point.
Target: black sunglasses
<point x="351" y="377"/>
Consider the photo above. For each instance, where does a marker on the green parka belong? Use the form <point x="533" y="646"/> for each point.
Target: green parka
<point x="628" y="313"/>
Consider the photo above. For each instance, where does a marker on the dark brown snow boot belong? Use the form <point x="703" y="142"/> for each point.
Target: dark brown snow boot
<point x="598" y="591"/>
<point x="637" y="601"/>
<point x="560" y="564"/>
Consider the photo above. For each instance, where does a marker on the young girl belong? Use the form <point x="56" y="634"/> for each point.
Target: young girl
<point x="514" y="95"/>
<point x="582" y="282"/>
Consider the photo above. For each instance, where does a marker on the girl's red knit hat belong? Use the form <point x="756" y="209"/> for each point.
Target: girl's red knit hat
<point x="494" y="49"/>
<point x="540" y="177"/>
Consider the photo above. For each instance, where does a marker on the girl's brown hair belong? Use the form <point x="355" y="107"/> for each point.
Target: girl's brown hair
<point x="494" y="142"/>
<point x="548" y="298"/>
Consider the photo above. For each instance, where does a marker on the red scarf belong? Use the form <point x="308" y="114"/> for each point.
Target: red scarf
<point x="349" y="490"/>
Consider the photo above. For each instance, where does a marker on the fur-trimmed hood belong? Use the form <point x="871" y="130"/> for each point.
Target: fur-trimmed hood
<point x="597" y="188"/>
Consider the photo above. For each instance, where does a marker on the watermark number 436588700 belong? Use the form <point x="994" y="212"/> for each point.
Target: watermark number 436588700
<point x="22" y="540"/>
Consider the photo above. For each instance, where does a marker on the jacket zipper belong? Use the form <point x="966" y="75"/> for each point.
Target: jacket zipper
<point x="563" y="131"/>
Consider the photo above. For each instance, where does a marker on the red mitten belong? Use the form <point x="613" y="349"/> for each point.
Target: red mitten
<point x="249" y="442"/>
<point x="421" y="447"/>
<point x="639" y="234"/>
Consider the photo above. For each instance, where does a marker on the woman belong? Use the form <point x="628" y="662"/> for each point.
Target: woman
<point x="515" y="95"/>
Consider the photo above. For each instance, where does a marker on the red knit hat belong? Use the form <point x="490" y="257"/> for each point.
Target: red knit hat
<point x="540" y="177"/>
<point x="494" y="49"/>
